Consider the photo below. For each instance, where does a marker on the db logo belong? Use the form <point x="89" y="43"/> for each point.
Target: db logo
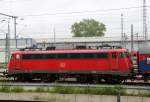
<point x="62" y="65"/>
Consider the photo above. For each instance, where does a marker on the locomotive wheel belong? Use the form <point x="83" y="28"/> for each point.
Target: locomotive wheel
<point x="52" y="79"/>
<point x="83" y="79"/>
<point x="97" y="80"/>
<point x="19" y="78"/>
<point x="145" y="78"/>
<point x="47" y="78"/>
<point x="113" y="80"/>
<point x="90" y="79"/>
<point x="44" y="78"/>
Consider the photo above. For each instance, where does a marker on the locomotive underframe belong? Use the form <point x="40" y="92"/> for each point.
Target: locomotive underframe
<point x="83" y="77"/>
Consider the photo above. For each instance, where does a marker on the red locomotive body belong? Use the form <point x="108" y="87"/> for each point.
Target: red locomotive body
<point x="85" y="65"/>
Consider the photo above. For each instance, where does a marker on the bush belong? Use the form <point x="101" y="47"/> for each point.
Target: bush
<point x="40" y="89"/>
<point x="98" y="91"/>
<point x="17" y="89"/>
<point x="63" y="90"/>
<point x="5" y="88"/>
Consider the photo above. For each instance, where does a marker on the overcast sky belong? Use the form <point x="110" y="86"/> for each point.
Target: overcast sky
<point x="38" y="18"/>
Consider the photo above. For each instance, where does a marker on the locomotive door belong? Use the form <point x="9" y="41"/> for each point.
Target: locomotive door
<point x="17" y="62"/>
<point x="114" y="61"/>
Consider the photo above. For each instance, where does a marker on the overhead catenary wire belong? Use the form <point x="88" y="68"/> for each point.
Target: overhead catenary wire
<point x="79" y="12"/>
<point x="85" y="12"/>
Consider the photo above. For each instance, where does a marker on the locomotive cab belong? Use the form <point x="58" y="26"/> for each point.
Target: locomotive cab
<point x="14" y="63"/>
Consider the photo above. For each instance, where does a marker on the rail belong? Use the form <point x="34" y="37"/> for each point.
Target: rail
<point x="19" y="101"/>
<point x="132" y="87"/>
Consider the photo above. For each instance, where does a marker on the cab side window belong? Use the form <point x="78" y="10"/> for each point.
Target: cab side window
<point x="148" y="60"/>
<point x="18" y="56"/>
<point x="12" y="57"/>
<point x="127" y="54"/>
<point x="121" y="55"/>
<point x="114" y="55"/>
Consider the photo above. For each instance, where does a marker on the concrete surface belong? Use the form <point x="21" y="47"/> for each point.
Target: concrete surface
<point x="70" y="97"/>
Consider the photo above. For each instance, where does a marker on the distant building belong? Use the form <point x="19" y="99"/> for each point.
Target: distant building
<point x="61" y="43"/>
<point x="67" y="43"/>
<point x="21" y="43"/>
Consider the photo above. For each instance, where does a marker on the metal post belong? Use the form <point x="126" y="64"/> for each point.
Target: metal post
<point x="137" y="40"/>
<point x="7" y="45"/>
<point x="146" y="34"/>
<point x="26" y="42"/>
<point x="125" y="38"/>
<point x="54" y="35"/>
<point x="8" y="42"/>
<point x="132" y="45"/>
<point x="6" y="48"/>
<point x="118" y="97"/>
<point x="88" y="92"/>
<point x="122" y="36"/>
<point x="144" y="21"/>
<point x="31" y="42"/>
<point x="15" y="31"/>
<point x="14" y="17"/>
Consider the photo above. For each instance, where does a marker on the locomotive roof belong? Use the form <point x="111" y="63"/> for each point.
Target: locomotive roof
<point x="69" y="51"/>
<point x="144" y="50"/>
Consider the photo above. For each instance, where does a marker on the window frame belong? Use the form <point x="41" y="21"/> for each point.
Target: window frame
<point x="84" y="55"/>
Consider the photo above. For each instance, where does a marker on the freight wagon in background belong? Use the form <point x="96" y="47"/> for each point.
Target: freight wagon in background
<point x="144" y="62"/>
<point x="86" y="65"/>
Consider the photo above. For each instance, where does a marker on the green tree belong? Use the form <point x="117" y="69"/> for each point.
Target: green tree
<point x="88" y="28"/>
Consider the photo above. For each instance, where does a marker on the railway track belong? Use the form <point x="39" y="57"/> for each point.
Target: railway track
<point x="129" y="85"/>
<point x="19" y="101"/>
<point x="71" y="82"/>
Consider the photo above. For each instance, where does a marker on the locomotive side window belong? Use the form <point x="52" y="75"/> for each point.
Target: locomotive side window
<point x="62" y="56"/>
<point x="102" y="55"/>
<point x="121" y="55"/>
<point x="49" y="56"/>
<point x="18" y="56"/>
<point x="75" y="55"/>
<point x="65" y="56"/>
<point x="88" y="55"/>
<point x="127" y="54"/>
<point x="12" y="57"/>
<point x="37" y="56"/>
<point x="26" y="56"/>
<point x="114" y="55"/>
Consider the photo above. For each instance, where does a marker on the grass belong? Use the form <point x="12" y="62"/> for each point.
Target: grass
<point x="40" y="89"/>
<point x="96" y="91"/>
<point x="76" y="90"/>
<point x="7" y="89"/>
<point x="17" y="89"/>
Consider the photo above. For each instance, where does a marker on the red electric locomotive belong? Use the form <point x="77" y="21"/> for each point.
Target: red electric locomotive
<point x="86" y="65"/>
